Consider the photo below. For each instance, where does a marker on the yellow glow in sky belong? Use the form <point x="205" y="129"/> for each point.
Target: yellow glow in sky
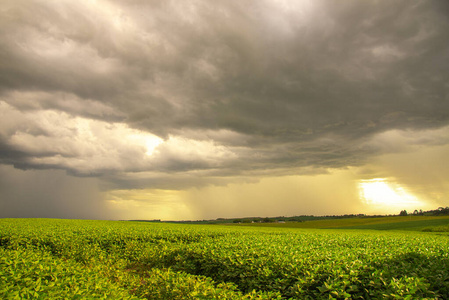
<point x="148" y="204"/>
<point x="381" y="192"/>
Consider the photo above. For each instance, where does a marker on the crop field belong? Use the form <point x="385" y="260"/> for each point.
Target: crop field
<point x="415" y="223"/>
<point x="80" y="259"/>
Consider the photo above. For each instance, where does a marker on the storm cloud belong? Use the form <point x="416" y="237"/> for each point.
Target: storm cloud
<point x="179" y="94"/>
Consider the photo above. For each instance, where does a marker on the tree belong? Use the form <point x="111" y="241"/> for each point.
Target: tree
<point x="403" y="213"/>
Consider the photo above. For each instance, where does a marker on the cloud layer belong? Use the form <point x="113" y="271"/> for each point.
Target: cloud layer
<point x="169" y="94"/>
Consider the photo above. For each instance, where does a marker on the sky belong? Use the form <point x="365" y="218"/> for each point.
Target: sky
<point x="189" y="110"/>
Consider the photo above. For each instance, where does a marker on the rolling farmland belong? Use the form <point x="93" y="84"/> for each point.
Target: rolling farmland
<point x="79" y="259"/>
<point x="414" y="223"/>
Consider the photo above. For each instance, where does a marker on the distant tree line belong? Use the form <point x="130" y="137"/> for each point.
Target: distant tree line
<point x="440" y="211"/>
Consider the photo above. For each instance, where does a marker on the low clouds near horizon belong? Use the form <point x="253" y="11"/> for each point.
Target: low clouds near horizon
<point x="177" y="108"/>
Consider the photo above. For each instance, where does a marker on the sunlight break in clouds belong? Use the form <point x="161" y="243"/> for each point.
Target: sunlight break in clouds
<point x="81" y="145"/>
<point x="89" y="147"/>
<point x="380" y="193"/>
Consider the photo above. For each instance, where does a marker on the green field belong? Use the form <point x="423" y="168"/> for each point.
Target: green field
<point x="74" y="259"/>
<point x="414" y="223"/>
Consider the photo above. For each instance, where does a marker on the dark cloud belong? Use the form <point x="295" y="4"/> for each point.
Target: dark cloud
<point x="231" y="86"/>
<point x="50" y="193"/>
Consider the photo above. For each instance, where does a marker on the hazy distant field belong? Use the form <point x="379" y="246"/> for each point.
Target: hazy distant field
<point x="415" y="223"/>
<point x="73" y="259"/>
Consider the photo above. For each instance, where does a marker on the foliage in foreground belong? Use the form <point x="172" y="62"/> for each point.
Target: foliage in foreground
<point x="42" y="259"/>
